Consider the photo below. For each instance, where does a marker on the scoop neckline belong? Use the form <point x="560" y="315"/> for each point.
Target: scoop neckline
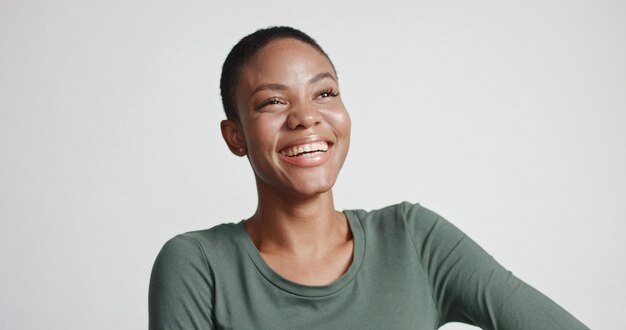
<point x="302" y="289"/>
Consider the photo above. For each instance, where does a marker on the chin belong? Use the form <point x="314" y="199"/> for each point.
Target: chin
<point x="311" y="188"/>
<point x="299" y="182"/>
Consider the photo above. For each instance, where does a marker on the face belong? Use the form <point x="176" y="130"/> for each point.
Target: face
<point x="292" y="122"/>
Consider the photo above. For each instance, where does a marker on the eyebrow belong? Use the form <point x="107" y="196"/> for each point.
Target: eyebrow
<point x="268" y="86"/>
<point x="321" y="76"/>
<point x="281" y="87"/>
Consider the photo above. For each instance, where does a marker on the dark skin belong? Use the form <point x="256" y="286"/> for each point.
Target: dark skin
<point x="287" y="101"/>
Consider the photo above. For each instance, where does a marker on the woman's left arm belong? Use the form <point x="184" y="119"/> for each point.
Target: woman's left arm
<point x="469" y="286"/>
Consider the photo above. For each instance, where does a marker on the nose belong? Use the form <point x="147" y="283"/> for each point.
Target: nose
<point x="304" y="115"/>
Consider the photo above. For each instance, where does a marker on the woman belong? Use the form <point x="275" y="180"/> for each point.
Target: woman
<point x="298" y="263"/>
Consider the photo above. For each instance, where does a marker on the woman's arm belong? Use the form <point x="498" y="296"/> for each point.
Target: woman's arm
<point x="469" y="286"/>
<point x="181" y="286"/>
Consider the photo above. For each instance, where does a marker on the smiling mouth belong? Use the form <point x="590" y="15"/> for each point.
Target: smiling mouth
<point x="305" y="150"/>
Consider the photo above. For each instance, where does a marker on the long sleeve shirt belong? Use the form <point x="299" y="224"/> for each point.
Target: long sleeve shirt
<point x="411" y="269"/>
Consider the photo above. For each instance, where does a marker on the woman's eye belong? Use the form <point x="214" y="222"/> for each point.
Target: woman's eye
<point x="270" y="101"/>
<point x="328" y="93"/>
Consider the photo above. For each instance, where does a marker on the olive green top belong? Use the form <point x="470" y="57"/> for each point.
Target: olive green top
<point x="411" y="269"/>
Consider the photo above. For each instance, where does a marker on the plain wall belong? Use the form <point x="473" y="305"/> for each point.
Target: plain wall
<point x="507" y="118"/>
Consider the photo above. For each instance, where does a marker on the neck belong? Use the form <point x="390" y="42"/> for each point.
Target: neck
<point x="299" y="225"/>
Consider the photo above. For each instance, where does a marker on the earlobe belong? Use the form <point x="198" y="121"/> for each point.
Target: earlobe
<point x="233" y="136"/>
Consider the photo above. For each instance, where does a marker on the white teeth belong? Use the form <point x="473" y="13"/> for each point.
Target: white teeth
<point x="305" y="149"/>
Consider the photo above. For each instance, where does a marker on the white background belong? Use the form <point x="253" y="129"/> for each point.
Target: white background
<point x="507" y="118"/>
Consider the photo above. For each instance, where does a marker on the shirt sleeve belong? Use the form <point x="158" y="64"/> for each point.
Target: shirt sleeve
<point x="181" y="286"/>
<point x="469" y="286"/>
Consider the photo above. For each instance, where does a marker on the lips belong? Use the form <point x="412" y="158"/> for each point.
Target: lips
<point x="305" y="150"/>
<point x="311" y="151"/>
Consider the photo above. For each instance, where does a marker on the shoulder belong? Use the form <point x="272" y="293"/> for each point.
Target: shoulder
<point x="176" y="256"/>
<point x="198" y="245"/>
<point x="426" y="228"/>
<point x="404" y="213"/>
<point x="187" y="262"/>
<point x="183" y="279"/>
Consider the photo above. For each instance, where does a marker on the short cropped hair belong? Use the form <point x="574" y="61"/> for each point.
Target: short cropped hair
<point x="245" y="50"/>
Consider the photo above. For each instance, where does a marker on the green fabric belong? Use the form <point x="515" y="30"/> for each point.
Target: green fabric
<point x="411" y="269"/>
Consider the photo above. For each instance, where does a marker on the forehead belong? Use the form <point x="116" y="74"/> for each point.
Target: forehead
<point x="284" y="59"/>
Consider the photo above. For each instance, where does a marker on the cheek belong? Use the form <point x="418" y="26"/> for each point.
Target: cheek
<point x="348" y="124"/>
<point x="340" y="119"/>
<point x="261" y="135"/>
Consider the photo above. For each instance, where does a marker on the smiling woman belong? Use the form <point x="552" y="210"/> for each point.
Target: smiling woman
<point x="297" y="262"/>
<point x="286" y="100"/>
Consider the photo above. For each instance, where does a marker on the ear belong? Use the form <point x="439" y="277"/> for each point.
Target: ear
<point x="232" y="133"/>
